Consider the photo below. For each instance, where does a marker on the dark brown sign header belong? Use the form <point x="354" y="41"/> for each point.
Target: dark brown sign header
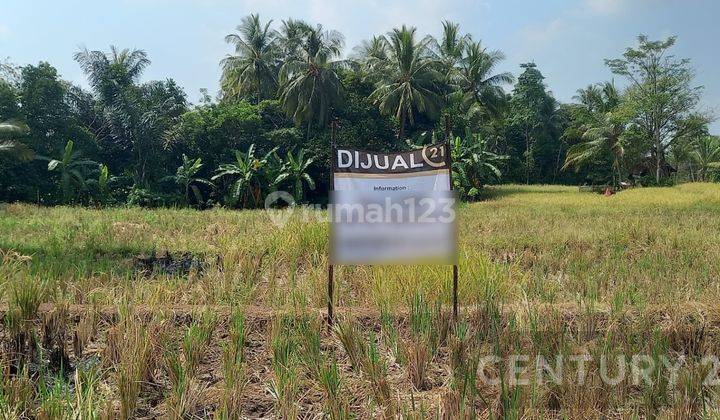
<point x="429" y="158"/>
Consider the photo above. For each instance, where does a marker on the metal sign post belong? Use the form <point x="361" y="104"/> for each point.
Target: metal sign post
<point x="331" y="271"/>
<point x="455" y="267"/>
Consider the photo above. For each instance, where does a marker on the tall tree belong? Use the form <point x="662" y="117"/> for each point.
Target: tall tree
<point x="533" y="118"/>
<point x="598" y="132"/>
<point x="162" y="104"/>
<point x="133" y="116"/>
<point x="291" y="37"/>
<point x="660" y="93"/>
<point x="39" y="102"/>
<point x="481" y="90"/>
<point x="370" y="55"/>
<point x="253" y="67"/>
<point x="589" y="97"/>
<point x="114" y="78"/>
<point x="9" y="72"/>
<point x="450" y="47"/>
<point x="604" y="137"/>
<point x="110" y="75"/>
<point x="598" y="98"/>
<point x="45" y="109"/>
<point x="409" y="81"/>
<point x="310" y="86"/>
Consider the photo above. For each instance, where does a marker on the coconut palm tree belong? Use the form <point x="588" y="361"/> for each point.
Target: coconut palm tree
<point x="610" y="96"/>
<point x="295" y="171"/>
<point x="604" y="137"/>
<point x="481" y="90"/>
<point x="601" y="97"/>
<point x="11" y="146"/>
<point x="317" y="40"/>
<point x="409" y="80"/>
<point x="291" y="37"/>
<point x="706" y="155"/>
<point x="310" y="86"/>
<point x="111" y="74"/>
<point x="370" y="55"/>
<point x="589" y="97"/>
<point x="252" y="69"/>
<point x="73" y="170"/>
<point x="246" y="176"/>
<point x="451" y="47"/>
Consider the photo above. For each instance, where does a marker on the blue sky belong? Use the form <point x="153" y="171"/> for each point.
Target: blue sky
<point x="184" y="38"/>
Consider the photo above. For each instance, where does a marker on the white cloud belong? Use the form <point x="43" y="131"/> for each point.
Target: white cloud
<point x="603" y="7"/>
<point x="538" y="37"/>
<point x="4" y="31"/>
<point x="361" y="20"/>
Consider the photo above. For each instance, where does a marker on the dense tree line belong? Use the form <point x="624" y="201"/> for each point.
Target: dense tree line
<point x="143" y="143"/>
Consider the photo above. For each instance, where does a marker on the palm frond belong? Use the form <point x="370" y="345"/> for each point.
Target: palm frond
<point x="17" y="149"/>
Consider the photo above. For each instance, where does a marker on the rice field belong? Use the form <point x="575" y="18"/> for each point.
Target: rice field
<point x="176" y="313"/>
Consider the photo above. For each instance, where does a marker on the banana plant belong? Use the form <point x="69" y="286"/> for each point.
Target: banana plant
<point x="186" y="178"/>
<point x="473" y="164"/>
<point x="102" y="183"/>
<point x="73" y="169"/>
<point x="246" y="174"/>
<point x="295" y="171"/>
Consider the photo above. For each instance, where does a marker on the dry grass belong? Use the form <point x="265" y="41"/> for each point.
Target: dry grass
<point x="540" y="244"/>
<point x="545" y="271"/>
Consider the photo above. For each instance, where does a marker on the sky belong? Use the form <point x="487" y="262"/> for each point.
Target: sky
<point x="568" y="40"/>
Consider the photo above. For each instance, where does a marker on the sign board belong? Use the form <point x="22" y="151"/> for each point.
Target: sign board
<point x="395" y="208"/>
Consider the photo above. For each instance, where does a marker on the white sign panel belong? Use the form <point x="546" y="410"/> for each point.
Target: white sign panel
<point x="392" y="208"/>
